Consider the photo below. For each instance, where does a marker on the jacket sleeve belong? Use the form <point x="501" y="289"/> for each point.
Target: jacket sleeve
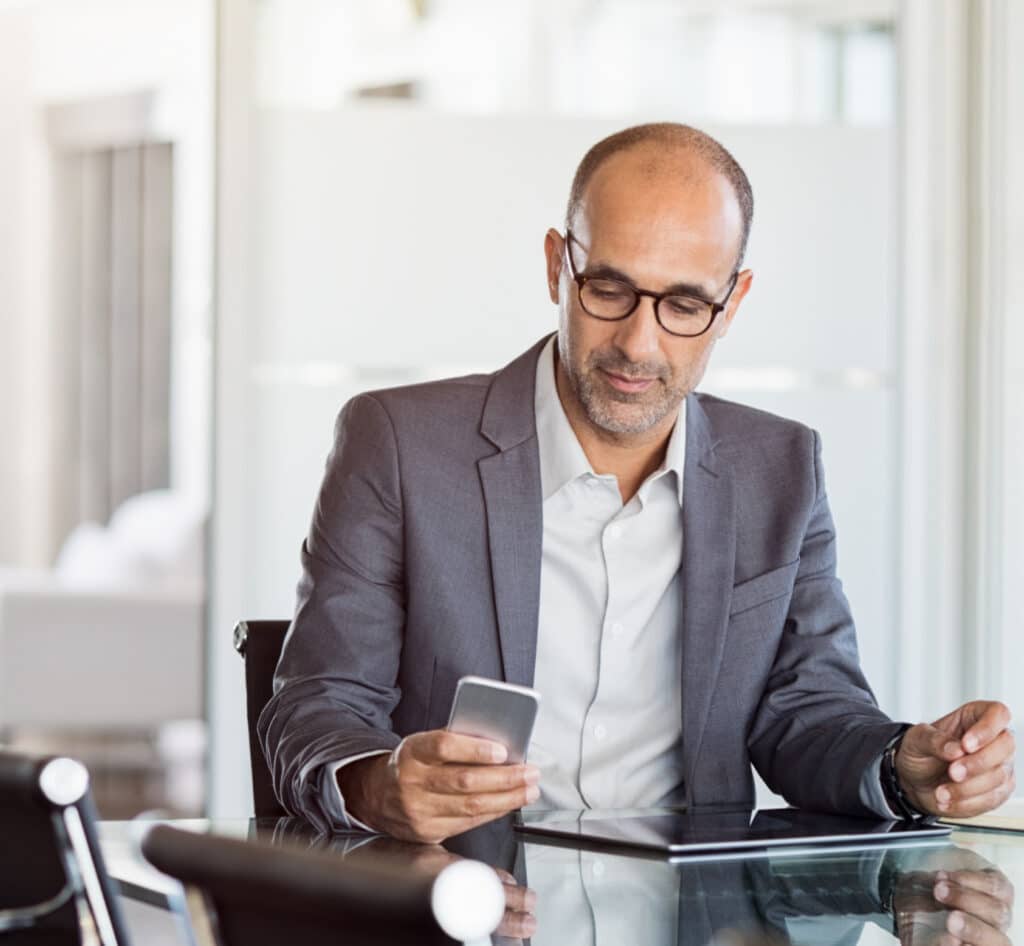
<point x="336" y="683"/>
<point x="818" y="729"/>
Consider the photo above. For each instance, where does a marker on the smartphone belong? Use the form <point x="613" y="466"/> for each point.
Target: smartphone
<point x="501" y="712"/>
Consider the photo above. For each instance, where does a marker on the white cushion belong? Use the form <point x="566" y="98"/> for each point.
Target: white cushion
<point x="154" y="538"/>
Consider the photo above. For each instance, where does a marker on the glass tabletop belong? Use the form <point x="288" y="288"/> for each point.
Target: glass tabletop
<point x="894" y="892"/>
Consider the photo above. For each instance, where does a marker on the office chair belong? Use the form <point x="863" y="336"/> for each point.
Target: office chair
<point x="250" y="893"/>
<point x="52" y="875"/>
<point x="259" y="643"/>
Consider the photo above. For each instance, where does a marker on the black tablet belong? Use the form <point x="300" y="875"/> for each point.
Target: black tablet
<point x="718" y="831"/>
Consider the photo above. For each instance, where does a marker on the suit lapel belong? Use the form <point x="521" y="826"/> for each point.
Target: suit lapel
<point x="511" y="483"/>
<point x="512" y="496"/>
<point x="709" y="556"/>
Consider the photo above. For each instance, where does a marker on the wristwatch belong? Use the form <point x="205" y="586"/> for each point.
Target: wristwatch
<point x="891" y="788"/>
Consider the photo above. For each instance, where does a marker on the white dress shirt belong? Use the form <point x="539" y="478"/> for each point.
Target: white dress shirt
<point x="609" y="650"/>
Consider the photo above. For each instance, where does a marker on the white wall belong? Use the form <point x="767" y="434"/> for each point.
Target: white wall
<point x="1001" y="643"/>
<point x="1013" y="395"/>
<point x="961" y="430"/>
<point x="389" y="243"/>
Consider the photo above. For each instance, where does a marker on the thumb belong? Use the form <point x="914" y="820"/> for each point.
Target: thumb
<point x="929" y="742"/>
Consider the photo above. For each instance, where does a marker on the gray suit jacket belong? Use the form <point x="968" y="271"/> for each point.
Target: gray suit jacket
<point x="423" y="561"/>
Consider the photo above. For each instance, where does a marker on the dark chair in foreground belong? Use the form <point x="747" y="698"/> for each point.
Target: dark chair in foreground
<point x="259" y="643"/>
<point x="248" y="893"/>
<point x="51" y="868"/>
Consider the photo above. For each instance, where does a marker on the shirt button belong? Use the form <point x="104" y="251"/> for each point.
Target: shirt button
<point x="598" y="869"/>
<point x="616" y="629"/>
<point x="600" y="732"/>
<point x="614" y="531"/>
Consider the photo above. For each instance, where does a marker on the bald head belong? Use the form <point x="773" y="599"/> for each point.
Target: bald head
<point x="673" y="150"/>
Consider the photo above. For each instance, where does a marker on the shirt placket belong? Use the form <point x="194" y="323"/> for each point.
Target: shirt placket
<point x="597" y="783"/>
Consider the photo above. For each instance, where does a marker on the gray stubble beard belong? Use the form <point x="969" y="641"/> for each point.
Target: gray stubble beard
<point x="596" y="397"/>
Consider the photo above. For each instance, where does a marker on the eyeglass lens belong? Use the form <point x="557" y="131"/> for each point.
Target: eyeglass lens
<point x="612" y="299"/>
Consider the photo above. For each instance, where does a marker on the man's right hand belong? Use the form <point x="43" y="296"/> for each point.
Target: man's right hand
<point x="436" y="784"/>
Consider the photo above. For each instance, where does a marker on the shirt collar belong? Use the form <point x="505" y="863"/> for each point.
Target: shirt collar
<point x="561" y="457"/>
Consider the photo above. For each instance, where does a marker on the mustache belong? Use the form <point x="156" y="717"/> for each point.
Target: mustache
<point x="633" y="370"/>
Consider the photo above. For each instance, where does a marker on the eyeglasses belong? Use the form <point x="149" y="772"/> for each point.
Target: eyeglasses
<point x="686" y="315"/>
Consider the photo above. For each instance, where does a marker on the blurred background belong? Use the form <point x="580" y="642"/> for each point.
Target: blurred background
<point x="219" y="219"/>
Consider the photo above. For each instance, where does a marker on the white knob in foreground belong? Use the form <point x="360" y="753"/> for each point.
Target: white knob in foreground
<point x="468" y="900"/>
<point x="63" y="781"/>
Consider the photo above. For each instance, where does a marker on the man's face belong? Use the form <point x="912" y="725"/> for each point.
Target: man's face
<point x="658" y="228"/>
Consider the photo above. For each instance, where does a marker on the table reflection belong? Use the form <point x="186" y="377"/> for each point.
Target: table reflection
<point x="912" y="894"/>
<point x="953" y="896"/>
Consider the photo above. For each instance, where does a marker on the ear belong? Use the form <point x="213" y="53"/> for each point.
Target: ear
<point x="553" y="252"/>
<point x="739" y="292"/>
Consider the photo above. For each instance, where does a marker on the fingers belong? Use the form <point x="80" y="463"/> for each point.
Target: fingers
<point x="518" y="922"/>
<point x="455" y="779"/>
<point x="415" y="813"/>
<point x="926" y="741"/>
<point x="922" y="763"/>
<point x="991" y="910"/>
<point x="428" y="828"/>
<point x="992" y="755"/>
<point x="986" y="773"/>
<point x="449" y="827"/>
<point x="439" y="745"/>
<point x="973" y="782"/>
<point x="942" y="747"/>
<point x="962" y="805"/>
<point x="991" y="881"/>
<point x="519" y="899"/>
<point x="492" y="804"/>
<point x="970" y="788"/>
<point x="986" y="721"/>
<point x="962" y="765"/>
<point x="442" y="783"/>
<point x="966" y="928"/>
<point x="517" y="926"/>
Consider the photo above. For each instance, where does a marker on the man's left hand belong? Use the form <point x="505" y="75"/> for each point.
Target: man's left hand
<point x="960" y="765"/>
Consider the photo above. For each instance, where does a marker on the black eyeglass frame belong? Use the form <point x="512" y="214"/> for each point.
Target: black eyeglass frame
<point x="581" y="279"/>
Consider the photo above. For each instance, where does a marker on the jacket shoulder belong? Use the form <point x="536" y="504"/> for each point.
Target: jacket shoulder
<point x="427" y="422"/>
<point x="775" y="462"/>
<point x="447" y="398"/>
<point x="731" y="418"/>
<point x="741" y="434"/>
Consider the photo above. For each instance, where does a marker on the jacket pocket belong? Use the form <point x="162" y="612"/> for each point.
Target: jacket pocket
<point x="769" y="586"/>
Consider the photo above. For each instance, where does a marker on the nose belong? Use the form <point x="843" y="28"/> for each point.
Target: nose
<point x="639" y="336"/>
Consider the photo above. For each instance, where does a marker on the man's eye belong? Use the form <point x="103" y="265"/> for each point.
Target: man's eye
<point x="609" y="290"/>
<point x="684" y="306"/>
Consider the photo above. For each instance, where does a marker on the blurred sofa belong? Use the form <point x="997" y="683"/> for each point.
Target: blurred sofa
<point x="103" y="653"/>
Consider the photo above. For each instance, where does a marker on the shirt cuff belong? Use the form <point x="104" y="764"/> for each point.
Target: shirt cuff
<point x="334" y="801"/>
<point x="871" y="794"/>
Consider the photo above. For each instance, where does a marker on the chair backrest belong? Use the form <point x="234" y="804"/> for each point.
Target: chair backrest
<point x="50" y="859"/>
<point x="256" y="894"/>
<point x="259" y="643"/>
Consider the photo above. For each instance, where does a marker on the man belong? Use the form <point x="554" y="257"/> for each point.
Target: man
<point x="659" y="563"/>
